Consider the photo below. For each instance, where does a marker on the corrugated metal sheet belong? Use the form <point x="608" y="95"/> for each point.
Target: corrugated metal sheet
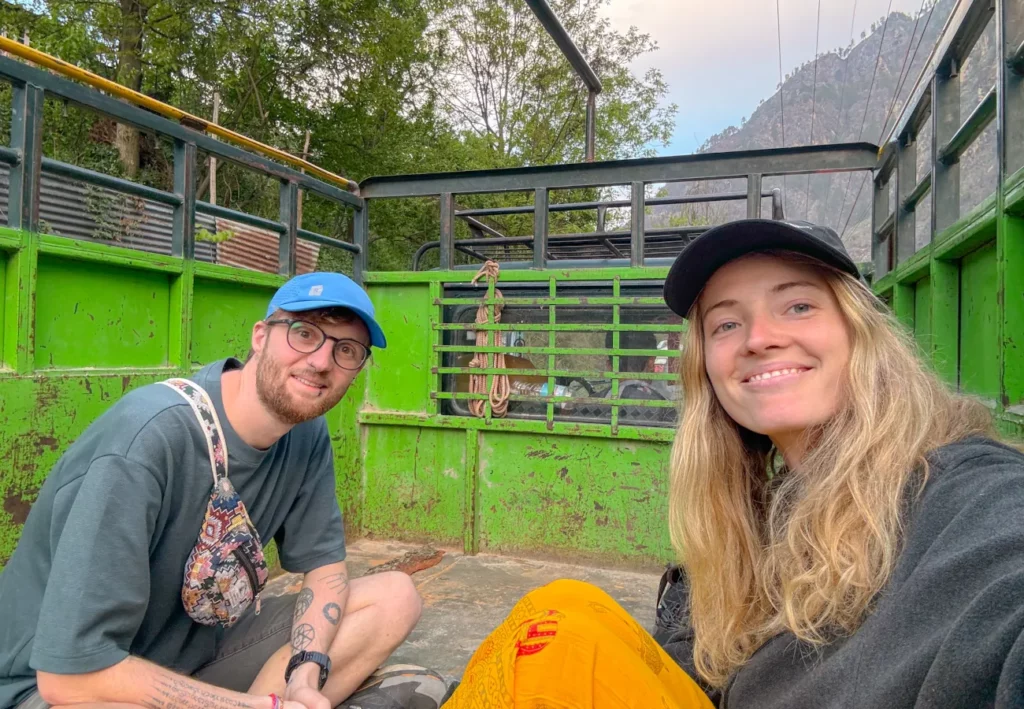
<point x="257" y="249"/>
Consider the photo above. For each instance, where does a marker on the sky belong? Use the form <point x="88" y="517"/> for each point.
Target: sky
<point x="720" y="57"/>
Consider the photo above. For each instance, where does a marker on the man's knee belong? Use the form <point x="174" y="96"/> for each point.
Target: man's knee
<point x="399" y="594"/>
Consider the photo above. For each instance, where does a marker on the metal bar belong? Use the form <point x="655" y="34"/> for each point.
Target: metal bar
<point x="447" y="231"/>
<point x="469" y="252"/>
<point x="705" y="166"/>
<point x="146" y="120"/>
<point x="480" y="226"/>
<point x="945" y="121"/>
<point x="554" y="27"/>
<point x="906" y="180"/>
<point x="636" y="225"/>
<point x="591" y="127"/>
<point x="287" y="244"/>
<point x="631" y="300"/>
<point x="612" y="204"/>
<point x="549" y="414"/>
<point x="979" y="119"/>
<point x="645" y="376"/>
<point x="589" y="400"/>
<point x="215" y="210"/>
<point x="881" y="226"/>
<point x="361" y="238"/>
<point x="1011" y="91"/>
<point x="911" y="200"/>
<point x="540" y="227"/>
<point x="183" y="227"/>
<point x="616" y="361"/>
<point x="27" y="140"/>
<point x="159" y="107"/>
<point x="307" y="235"/>
<point x="553" y="350"/>
<point x="114" y="183"/>
<point x="754" y="196"/>
<point x="1015" y="61"/>
<point x="778" y="211"/>
<point x="965" y="24"/>
<point x="542" y="327"/>
<point x="9" y="156"/>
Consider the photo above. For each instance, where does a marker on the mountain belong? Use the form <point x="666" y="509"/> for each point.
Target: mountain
<point x="832" y="103"/>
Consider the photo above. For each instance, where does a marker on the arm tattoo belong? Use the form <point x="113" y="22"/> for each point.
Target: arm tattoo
<point x="332" y="612"/>
<point x="337" y="582"/>
<point x="302" y="636"/>
<point x="303" y="602"/>
<point x="182" y="693"/>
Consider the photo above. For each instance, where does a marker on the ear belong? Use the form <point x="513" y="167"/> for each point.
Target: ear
<point x="260" y="332"/>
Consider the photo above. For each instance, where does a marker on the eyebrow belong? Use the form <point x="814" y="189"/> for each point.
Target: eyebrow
<point x="781" y="287"/>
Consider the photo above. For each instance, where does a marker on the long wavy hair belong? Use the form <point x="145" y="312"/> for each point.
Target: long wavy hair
<point x="805" y="550"/>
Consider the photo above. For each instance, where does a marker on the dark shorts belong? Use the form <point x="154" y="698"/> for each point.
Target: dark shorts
<point x="245" y="648"/>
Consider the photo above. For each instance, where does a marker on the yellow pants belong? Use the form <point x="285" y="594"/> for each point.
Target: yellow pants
<point x="568" y="645"/>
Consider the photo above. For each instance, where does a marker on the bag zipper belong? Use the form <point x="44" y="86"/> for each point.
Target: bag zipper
<point x="250" y="572"/>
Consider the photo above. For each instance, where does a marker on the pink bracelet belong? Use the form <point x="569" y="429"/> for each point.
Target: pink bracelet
<point x="277" y="701"/>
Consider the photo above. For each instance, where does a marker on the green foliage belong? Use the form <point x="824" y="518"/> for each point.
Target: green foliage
<point x="222" y="235"/>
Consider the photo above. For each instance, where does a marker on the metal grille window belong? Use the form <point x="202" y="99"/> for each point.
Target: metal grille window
<point x="599" y="352"/>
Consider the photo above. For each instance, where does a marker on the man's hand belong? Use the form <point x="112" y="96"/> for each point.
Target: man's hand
<point x="296" y="697"/>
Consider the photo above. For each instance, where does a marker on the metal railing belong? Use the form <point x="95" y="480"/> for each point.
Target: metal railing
<point x="935" y="102"/>
<point x="752" y="165"/>
<point x="30" y="86"/>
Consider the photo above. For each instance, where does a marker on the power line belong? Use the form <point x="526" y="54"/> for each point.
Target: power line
<point x="867" y="103"/>
<point x="842" y="104"/>
<point x="899" y="88"/>
<point x="814" y="96"/>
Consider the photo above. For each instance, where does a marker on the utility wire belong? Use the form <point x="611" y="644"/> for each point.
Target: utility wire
<point x="867" y="104"/>
<point x="814" y="96"/>
<point x="899" y="88"/>
<point x="842" y="105"/>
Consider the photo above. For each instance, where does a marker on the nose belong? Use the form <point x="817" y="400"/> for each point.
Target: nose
<point x="764" y="333"/>
<point x="322" y="360"/>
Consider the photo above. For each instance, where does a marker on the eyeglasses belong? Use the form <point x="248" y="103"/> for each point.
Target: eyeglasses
<point x="307" y="338"/>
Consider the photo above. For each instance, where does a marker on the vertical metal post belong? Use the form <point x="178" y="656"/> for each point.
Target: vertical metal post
<point x="289" y="217"/>
<point x="945" y="122"/>
<point x="602" y="217"/>
<point x="637" y="226"/>
<point x="183" y="229"/>
<point x="591" y="127"/>
<point x="1010" y="118"/>
<point x="27" y="139"/>
<point x="879" y="213"/>
<point x="447" y="250"/>
<point x="753" y="196"/>
<point x="777" y="211"/>
<point x="906" y="181"/>
<point x="361" y="238"/>
<point x="540" y="228"/>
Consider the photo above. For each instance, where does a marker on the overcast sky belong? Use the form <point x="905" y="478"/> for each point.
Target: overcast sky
<point x="720" y="57"/>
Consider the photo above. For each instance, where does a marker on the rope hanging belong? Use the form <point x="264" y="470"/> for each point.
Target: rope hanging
<point x="499" y="390"/>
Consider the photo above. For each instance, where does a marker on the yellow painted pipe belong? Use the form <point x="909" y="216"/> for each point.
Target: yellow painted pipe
<point x="167" y="111"/>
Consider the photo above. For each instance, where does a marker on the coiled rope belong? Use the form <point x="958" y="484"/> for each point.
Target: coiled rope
<point x="499" y="390"/>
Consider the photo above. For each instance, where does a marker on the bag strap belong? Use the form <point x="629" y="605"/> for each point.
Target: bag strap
<point x="204" y="410"/>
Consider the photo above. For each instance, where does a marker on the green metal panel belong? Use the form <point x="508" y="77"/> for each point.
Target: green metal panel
<point x="400" y="380"/>
<point x="414" y="481"/>
<point x="100" y="316"/>
<point x="575" y="497"/>
<point x="979" y="343"/>
<point x="1012" y="264"/>
<point x="923" y="314"/>
<point x="223" y="313"/>
<point x="3" y="294"/>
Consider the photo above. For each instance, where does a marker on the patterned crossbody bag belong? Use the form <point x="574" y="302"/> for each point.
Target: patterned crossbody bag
<point x="226" y="570"/>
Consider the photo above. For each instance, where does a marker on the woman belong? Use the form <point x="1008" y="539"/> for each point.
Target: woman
<point x="851" y="534"/>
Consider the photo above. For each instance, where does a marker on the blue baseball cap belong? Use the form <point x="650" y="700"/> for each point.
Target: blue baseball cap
<point x="311" y="291"/>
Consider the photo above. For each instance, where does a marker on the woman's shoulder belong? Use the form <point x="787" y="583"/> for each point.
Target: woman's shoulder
<point x="975" y="452"/>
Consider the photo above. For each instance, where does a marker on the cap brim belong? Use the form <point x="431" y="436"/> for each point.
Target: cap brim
<point x="377" y="338"/>
<point x="721" y="244"/>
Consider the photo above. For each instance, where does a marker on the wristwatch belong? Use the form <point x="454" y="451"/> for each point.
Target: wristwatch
<point x="303" y="657"/>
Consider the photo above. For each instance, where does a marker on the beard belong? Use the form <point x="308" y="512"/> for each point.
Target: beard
<point x="272" y="389"/>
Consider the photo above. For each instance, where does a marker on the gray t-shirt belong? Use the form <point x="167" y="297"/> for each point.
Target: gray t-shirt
<point x="97" y="573"/>
<point x="946" y="632"/>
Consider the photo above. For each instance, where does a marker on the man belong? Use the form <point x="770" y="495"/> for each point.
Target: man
<point x="92" y="597"/>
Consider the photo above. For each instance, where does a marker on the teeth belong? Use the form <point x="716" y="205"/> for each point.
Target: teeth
<point x="776" y="373"/>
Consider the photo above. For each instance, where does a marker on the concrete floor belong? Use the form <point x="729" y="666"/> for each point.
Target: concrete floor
<point x="466" y="597"/>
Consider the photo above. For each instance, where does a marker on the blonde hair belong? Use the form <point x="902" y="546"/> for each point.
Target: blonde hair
<point x="806" y="551"/>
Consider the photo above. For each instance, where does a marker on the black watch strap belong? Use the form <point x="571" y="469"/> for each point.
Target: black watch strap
<point x="303" y="657"/>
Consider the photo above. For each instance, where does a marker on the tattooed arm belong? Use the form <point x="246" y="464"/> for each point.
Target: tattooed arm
<point x="137" y="682"/>
<point x="318" y="611"/>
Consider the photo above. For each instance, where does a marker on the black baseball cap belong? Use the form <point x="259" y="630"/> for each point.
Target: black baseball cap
<point x="721" y="244"/>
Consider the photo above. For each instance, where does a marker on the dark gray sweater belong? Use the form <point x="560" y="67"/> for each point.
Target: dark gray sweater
<point x="946" y="632"/>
